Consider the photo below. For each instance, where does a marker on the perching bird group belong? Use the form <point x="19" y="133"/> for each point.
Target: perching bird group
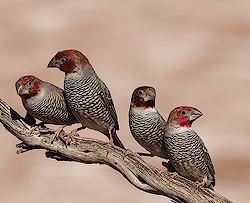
<point x="87" y="100"/>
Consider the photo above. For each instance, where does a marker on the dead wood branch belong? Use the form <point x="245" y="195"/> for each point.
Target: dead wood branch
<point x="86" y="150"/>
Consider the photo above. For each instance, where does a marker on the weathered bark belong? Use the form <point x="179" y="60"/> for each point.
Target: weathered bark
<point x="86" y="150"/>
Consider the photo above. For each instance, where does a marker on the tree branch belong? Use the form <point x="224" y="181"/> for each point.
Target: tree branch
<point x="86" y="150"/>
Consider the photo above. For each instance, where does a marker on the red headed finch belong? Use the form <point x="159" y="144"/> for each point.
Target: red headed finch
<point x="44" y="101"/>
<point x="88" y="97"/>
<point x="146" y="124"/>
<point x="186" y="150"/>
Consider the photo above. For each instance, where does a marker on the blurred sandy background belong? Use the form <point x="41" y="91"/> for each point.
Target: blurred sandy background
<point x="194" y="53"/>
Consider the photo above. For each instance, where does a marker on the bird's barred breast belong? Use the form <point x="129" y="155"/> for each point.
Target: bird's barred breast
<point x="146" y="127"/>
<point x="83" y="96"/>
<point x="50" y="109"/>
<point x="185" y="147"/>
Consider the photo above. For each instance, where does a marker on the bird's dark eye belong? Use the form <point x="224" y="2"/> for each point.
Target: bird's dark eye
<point x="63" y="60"/>
<point x="29" y="82"/>
<point x="140" y="92"/>
<point x="183" y="112"/>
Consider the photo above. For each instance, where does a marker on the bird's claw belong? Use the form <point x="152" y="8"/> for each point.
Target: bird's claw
<point x="130" y="152"/>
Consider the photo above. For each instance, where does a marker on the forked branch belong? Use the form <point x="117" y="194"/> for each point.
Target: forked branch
<point x="86" y="150"/>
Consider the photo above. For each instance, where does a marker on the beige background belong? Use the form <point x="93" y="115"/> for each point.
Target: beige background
<point x="194" y="53"/>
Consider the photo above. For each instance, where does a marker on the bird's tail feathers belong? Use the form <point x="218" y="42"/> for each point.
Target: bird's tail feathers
<point x="116" y="140"/>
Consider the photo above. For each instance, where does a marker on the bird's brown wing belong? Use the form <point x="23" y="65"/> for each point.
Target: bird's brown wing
<point x="163" y="128"/>
<point x="208" y="160"/>
<point x="56" y="99"/>
<point x="105" y="96"/>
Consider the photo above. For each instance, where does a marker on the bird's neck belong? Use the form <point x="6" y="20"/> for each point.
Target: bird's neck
<point x="88" y="70"/>
<point x="142" y="110"/>
<point x="173" y="129"/>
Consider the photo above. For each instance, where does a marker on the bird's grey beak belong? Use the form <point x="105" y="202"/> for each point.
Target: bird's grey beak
<point x="21" y="90"/>
<point x="150" y="94"/>
<point x="52" y="63"/>
<point x="195" y="114"/>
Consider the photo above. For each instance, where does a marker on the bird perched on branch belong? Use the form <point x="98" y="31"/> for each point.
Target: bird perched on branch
<point x="186" y="150"/>
<point x="88" y="97"/>
<point x="44" y="101"/>
<point x="146" y="124"/>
